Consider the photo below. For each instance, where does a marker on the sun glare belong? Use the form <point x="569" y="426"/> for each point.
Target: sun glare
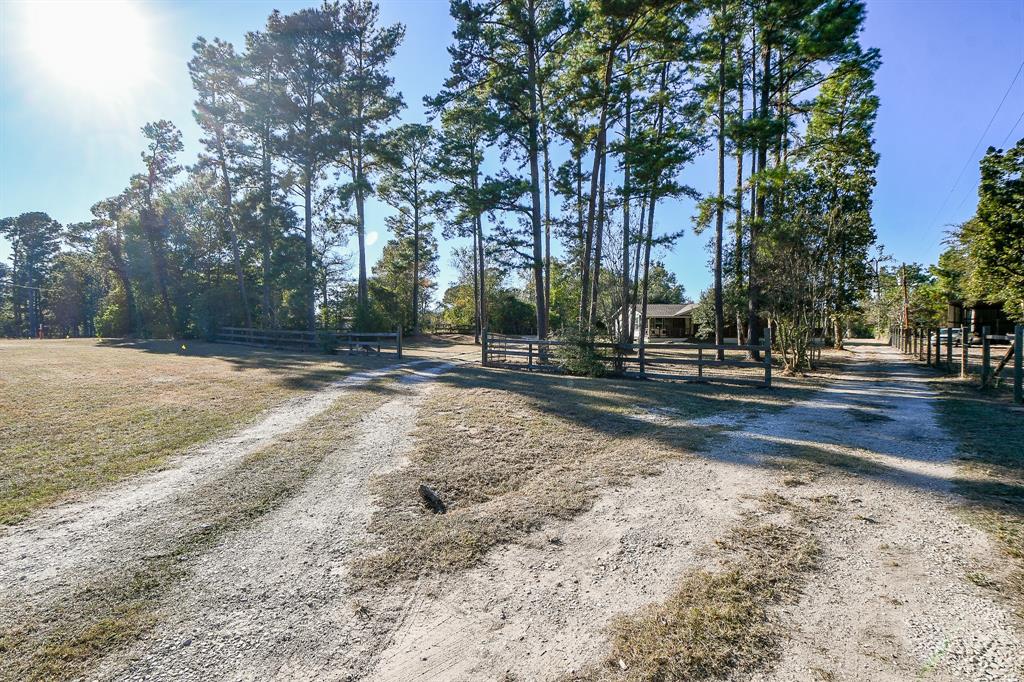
<point x="96" y="47"/>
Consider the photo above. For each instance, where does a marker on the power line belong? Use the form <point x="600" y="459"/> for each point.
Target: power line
<point x="24" y="286"/>
<point x="1002" y="145"/>
<point x="978" y="143"/>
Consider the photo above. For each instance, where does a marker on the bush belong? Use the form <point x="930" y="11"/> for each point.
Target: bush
<point x="578" y="355"/>
<point x="327" y="342"/>
<point x="371" y="318"/>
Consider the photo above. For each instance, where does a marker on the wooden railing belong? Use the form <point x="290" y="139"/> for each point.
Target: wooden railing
<point x="304" y="340"/>
<point x="935" y="345"/>
<point x="658" y="360"/>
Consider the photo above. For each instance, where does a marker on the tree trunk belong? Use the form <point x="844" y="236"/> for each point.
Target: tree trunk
<point x="480" y="255"/>
<point x="363" y="291"/>
<point x="547" y="210"/>
<point x="266" y="246"/>
<point x="624" y="313"/>
<point x="533" y="150"/>
<point x="602" y="130"/>
<point x="634" y="299"/>
<point x="232" y="225"/>
<point x="652" y="202"/>
<point x="308" y="219"/>
<point x="720" y="212"/>
<point x="416" y="264"/>
<point x="738" y="237"/>
<point x="152" y="231"/>
<point x="753" y="291"/>
<point x="647" y="268"/>
<point x="476" y="288"/>
<point x="598" y="242"/>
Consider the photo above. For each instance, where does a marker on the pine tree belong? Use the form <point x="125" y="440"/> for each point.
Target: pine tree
<point x="215" y="72"/>
<point x="363" y="102"/>
<point x="308" y="57"/>
<point x="406" y="186"/>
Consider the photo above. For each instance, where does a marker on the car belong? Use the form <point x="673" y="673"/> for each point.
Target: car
<point x="944" y="335"/>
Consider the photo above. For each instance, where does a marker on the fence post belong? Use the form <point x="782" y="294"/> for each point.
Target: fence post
<point x="642" y="356"/>
<point x="700" y="363"/>
<point x="986" y="356"/>
<point x="949" y="349"/>
<point x="938" y="347"/>
<point x="483" y="347"/>
<point x="1018" y="364"/>
<point x="530" y="363"/>
<point x="964" y="352"/>
<point x="927" y="347"/>
<point x="768" y="357"/>
<point x="398" y="337"/>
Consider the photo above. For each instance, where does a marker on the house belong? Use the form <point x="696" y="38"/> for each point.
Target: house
<point x="664" y="320"/>
<point x="977" y="316"/>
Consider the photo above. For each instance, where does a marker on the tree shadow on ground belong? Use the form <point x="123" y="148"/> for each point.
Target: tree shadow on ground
<point x="294" y="370"/>
<point x="616" y="407"/>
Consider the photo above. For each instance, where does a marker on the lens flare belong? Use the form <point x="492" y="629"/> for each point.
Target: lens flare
<point x="101" y="48"/>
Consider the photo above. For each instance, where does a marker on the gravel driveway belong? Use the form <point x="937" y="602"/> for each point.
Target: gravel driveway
<point x="890" y="599"/>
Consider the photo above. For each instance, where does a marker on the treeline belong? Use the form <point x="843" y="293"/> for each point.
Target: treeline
<point x="983" y="261"/>
<point x="591" y="112"/>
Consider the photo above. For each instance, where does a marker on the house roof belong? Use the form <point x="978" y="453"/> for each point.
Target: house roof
<point x="668" y="309"/>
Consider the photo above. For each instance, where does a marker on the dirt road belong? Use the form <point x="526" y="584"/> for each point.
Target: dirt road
<point x="890" y="598"/>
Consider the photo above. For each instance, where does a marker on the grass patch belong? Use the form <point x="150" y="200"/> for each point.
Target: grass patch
<point x="80" y="414"/>
<point x="118" y="608"/>
<point x="507" y="451"/>
<point x="719" y="623"/>
<point x="990" y="433"/>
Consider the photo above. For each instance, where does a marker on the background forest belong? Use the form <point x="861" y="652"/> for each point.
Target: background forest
<point x="591" y="110"/>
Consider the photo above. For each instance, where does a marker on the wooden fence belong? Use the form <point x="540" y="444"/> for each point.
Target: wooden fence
<point x="660" y="360"/>
<point x="289" y="339"/>
<point x="942" y="349"/>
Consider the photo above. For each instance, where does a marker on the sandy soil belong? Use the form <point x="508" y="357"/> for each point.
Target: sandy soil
<point x="889" y="601"/>
<point x="50" y="555"/>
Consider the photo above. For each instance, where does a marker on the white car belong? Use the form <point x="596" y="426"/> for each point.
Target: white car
<point x="944" y="335"/>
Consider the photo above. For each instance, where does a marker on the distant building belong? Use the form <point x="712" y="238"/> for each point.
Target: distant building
<point x="978" y="315"/>
<point x="664" y="320"/>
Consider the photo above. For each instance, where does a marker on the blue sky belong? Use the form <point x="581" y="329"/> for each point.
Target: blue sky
<point x="65" y="144"/>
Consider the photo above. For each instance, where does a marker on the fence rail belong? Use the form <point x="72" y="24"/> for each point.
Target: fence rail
<point x="304" y="340"/>
<point x="935" y="347"/>
<point x="659" y="360"/>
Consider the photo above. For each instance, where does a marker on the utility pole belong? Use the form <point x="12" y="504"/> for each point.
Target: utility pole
<point x="906" y="297"/>
<point x="879" y="258"/>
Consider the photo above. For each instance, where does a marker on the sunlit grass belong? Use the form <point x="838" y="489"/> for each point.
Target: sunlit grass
<point x="77" y="415"/>
<point x="990" y="432"/>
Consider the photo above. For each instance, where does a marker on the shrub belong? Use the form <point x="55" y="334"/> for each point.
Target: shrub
<point x="578" y="355"/>
<point x="327" y="342"/>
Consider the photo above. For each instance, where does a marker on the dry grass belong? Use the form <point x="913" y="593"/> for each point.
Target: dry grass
<point x="720" y="623"/>
<point x="990" y="432"/>
<point x="508" y="451"/>
<point x="79" y="414"/>
<point x="105" y="616"/>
